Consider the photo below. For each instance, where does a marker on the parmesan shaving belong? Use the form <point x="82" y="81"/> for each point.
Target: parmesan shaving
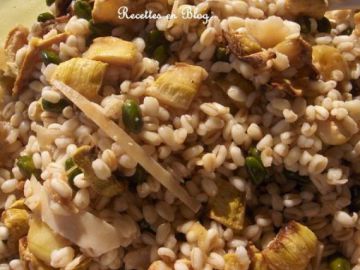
<point x="92" y="234"/>
<point x="133" y="149"/>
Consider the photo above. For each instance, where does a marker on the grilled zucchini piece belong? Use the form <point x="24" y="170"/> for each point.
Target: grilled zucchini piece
<point x="228" y="206"/>
<point x="84" y="75"/>
<point x="178" y="86"/>
<point x="42" y="241"/>
<point x="292" y="248"/>
<point x="108" y="11"/>
<point x="16" y="220"/>
<point x="112" y="50"/>
<point x="232" y="262"/>
<point x="327" y="59"/>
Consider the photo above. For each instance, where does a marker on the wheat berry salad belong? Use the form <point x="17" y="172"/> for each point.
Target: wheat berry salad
<point x="181" y="135"/>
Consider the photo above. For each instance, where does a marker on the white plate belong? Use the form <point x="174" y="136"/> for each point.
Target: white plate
<point x="15" y="12"/>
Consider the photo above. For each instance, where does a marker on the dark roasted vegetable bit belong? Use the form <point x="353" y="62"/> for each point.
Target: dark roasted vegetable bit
<point x="161" y="54"/>
<point x="140" y="175"/>
<point x="49" y="57"/>
<point x="242" y="44"/>
<point x="82" y="9"/>
<point x="222" y="54"/>
<point x="27" y="167"/>
<point x="180" y="237"/>
<point x="255" y="169"/>
<point x="46" y="16"/>
<point x="355" y="90"/>
<point x="131" y="116"/>
<point x="355" y="198"/>
<point x="338" y="262"/>
<point x="54" y="107"/>
<point x="324" y="25"/>
<point x="50" y="2"/>
<point x="305" y="24"/>
<point x="144" y="226"/>
<point x="347" y="31"/>
<point x="62" y="7"/>
<point x="100" y="29"/>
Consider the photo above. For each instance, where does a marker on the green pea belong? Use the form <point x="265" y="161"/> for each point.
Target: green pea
<point x="50" y="2"/>
<point x="71" y="174"/>
<point x="154" y="40"/>
<point x="157" y="46"/>
<point x="54" y="107"/>
<point x="27" y="167"/>
<point x="72" y="171"/>
<point x="305" y="24"/>
<point x="339" y="263"/>
<point x="140" y="175"/>
<point x="131" y="116"/>
<point x="82" y="9"/>
<point x="69" y="163"/>
<point x="43" y="17"/>
<point x="255" y="169"/>
<point x="49" y="57"/>
<point x="160" y="54"/>
<point x="254" y="152"/>
<point x="355" y="198"/>
<point x="100" y="29"/>
<point x="347" y="31"/>
<point x="222" y="54"/>
<point x="155" y="36"/>
<point x="324" y="25"/>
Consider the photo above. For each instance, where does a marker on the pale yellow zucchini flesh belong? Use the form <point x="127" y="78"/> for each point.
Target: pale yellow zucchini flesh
<point x="84" y="74"/>
<point x="111" y="11"/>
<point x="42" y="241"/>
<point x="228" y="206"/>
<point x="178" y="86"/>
<point x="293" y="248"/>
<point x="112" y="50"/>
